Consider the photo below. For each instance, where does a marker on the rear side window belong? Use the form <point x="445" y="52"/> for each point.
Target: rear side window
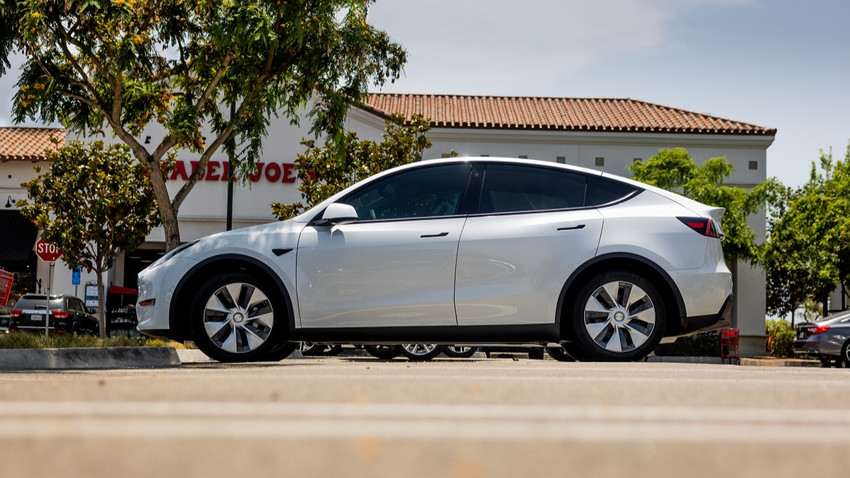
<point x="512" y="188"/>
<point x="418" y="193"/>
<point x="603" y="191"/>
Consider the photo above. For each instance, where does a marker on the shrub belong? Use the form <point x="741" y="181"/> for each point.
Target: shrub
<point x="780" y="338"/>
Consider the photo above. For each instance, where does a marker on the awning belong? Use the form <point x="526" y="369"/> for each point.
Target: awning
<point x="17" y="238"/>
<point x="118" y="290"/>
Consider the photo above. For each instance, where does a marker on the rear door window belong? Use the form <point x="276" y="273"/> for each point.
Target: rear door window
<point x="602" y="191"/>
<point x="516" y="188"/>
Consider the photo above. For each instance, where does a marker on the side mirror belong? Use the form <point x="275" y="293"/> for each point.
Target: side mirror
<point x="337" y="213"/>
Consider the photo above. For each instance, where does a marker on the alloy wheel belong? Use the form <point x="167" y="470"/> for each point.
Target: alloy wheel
<point x="619" y="316"/>
<point x="238" y="318"/>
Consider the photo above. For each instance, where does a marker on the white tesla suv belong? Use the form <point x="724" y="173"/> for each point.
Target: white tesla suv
<point x="455" y="251"/>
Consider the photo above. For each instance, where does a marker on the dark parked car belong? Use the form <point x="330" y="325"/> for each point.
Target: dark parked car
<point x="828" y="338"/>
<point x="68" y="315"/>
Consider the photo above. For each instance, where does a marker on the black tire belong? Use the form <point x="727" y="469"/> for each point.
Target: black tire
<point x="284" y="350"/>
<point x="459" y="351"/>
<point x="383" y="352"/>
<point x="559" y="354"/>
<point x="844" y="360"/>
<point x="536" y="354"/>
<point x="617" y="316"/>
<point x="420" y="352"/>
<point x="249" y="327"/>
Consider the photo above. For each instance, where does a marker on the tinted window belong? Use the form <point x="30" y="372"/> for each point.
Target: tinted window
<point x="509" y="188"/>
<point x="424" y="192"/>
<point x="603" y="191"/>
<point x="38" y="302"/>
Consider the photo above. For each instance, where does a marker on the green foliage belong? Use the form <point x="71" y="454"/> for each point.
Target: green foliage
<point x="808" y="247"/>
<point x="780" y="338"/>
<point x="706" y="344"/>
<point x="94" y="202"/>
<point x="131" y="64"/>
<point x="675" y="170"/>
<point x="324" y="172"/>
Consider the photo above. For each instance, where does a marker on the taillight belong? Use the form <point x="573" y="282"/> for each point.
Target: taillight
<point x="59" y="314"/>
<point x="702" y="225"/>
<point x="15" y="313"/>
<point x="819" y="330"/>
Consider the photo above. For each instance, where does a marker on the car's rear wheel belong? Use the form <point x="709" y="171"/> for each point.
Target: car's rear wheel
<point x="420" y="352"/>
<point x="617" y="316"/>
<point x="845" y="355"/>
<point x="237" y="318"/>
<point x="459" y="351"/>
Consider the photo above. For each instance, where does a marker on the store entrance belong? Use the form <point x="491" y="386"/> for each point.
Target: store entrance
<point x="136" y="261"/>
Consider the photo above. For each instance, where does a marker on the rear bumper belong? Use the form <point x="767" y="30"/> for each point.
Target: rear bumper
<point x="704" y="323"/>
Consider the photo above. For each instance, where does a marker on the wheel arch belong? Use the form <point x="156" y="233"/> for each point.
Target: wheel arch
<point x="623" y="261"/>
<point x="181" y="301"/>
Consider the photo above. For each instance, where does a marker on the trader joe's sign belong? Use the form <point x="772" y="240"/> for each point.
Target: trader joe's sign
<point x="6" y="280"/>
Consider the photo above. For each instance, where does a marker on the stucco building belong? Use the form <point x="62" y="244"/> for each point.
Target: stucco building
<point x="596" y="133"/>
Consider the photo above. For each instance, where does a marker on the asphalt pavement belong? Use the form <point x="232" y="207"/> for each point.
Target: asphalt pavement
<point x="359" y="416"/>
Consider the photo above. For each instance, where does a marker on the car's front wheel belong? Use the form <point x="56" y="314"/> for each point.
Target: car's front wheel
<point x="617" y="316"/>
<point x="237" y="318"/>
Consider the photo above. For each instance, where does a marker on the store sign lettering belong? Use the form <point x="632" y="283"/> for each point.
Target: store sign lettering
<point x="219" y="170"/>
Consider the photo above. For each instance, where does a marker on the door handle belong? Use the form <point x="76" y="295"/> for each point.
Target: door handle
<point x="442" y="234"/>
<point x="571" y="228"/>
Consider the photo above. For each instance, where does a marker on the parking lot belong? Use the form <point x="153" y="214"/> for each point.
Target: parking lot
<point x="357" y="416"/>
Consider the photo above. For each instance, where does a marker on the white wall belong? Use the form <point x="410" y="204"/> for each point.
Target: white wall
<point x="203" y="212"/>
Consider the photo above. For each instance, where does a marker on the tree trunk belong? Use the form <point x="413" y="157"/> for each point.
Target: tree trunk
<point x="167" y="211"/>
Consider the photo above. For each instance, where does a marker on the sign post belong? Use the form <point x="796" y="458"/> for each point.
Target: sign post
<point x="48" y="253"/>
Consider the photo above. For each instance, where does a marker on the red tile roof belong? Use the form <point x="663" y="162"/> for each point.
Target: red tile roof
<point x="28" y="144"/>
<point x="556" y="114"/>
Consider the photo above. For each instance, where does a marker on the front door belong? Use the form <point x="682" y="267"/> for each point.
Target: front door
<point x="395" y="266"/>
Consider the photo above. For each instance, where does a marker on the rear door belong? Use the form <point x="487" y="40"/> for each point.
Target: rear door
<point x="532" y="230"/>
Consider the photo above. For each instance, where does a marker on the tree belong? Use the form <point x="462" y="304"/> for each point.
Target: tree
<point x="675" y="170"/>
<point x="808" y="249"/>
<point x="172" y="64"/>
<point x="323" y="173"/>
<point x="94" y="202"/>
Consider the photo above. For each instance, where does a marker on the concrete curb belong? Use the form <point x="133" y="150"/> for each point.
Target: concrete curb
<point x="88" y="358"/>
<point x="672" y="359"/>
<point x="779" y="362"/>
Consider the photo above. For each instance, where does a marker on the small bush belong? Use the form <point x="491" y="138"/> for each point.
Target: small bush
<point x="706" y="344"/>
<point x="780" y="338"/>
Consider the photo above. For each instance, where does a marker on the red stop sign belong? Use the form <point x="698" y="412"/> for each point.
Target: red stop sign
<point x="47" y="252"/>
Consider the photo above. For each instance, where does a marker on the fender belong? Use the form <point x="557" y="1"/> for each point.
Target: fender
<point x="581" y="270"/>
<point x="190" y="277"/>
